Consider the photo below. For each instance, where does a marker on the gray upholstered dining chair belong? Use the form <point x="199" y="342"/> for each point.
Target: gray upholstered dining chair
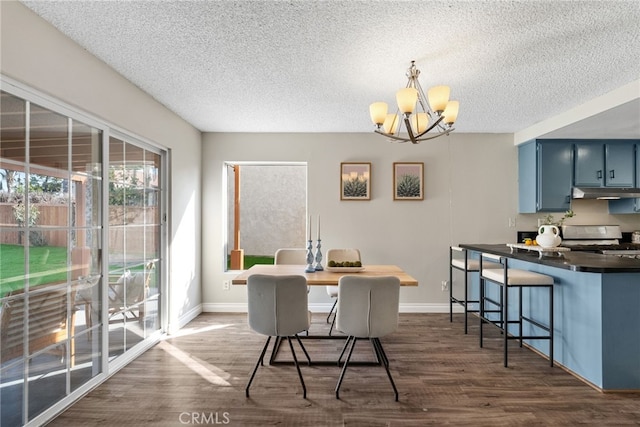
<point x="295" y="256"/>
<point x="292" y="256"/>
<point x="367" y="309"/>
<point x="278" y="308"/>
<point x="339" y="255"/>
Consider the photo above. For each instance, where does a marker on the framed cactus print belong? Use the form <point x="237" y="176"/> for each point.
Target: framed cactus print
<point x="355" y="181"/>
<point x="408" y="181"/>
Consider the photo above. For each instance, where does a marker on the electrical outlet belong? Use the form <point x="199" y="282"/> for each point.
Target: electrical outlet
<point x="512" y="222"/>
<point x="445" y="285"/>
<point x="225" y="285"/>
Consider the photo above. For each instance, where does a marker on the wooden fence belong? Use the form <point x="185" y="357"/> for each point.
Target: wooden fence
<point x="126" y="225"/>
<point x="50" y="216"/>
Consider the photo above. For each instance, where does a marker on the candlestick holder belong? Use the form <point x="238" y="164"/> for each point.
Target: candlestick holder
<point x="318" y="265"/>
<point x="310" y="268"/>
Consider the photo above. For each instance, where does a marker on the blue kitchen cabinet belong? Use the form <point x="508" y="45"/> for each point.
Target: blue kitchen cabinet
<point x="596" y="324"/>
<point x="545" y="172"/>
<point x="604" y="164"/>
<point x="620" y="164"/>
<point x="596" y="317"/>
<point x="589" y="167"/>
<point x="628" y="205"/>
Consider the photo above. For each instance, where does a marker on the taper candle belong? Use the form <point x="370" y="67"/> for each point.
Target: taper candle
<point x="318" y="227"/>
<point x="309" y="227"/>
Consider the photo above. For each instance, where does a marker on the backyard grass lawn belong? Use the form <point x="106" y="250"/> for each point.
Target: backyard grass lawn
<point x="47" y="264"/>
<point x="250" y="260"/>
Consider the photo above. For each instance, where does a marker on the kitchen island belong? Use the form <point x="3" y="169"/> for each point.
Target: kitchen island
<point x="596" y="312"/>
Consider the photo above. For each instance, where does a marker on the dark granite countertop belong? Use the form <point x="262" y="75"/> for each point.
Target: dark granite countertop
<point x="573" y="260"/>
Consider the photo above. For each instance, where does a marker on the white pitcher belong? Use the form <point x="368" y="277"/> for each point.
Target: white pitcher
<point x="548" y="236"/>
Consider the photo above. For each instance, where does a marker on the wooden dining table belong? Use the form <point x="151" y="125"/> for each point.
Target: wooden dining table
<point x="326" y="277"/>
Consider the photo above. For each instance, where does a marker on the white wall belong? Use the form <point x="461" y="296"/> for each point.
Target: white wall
<point x="470" y="193"/>
<point x="38" y="55"/>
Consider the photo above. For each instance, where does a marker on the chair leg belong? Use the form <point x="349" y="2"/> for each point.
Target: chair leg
<point x="380" y="355"/>
<point x="344" y="348"/>
<point x="376" y="353"/>
<point x="332" y="308"/>
<point x="380" y="350"/>
<point x="520" y="290"/>
<point x="551" y="326"/>
<point x="333" y="323"/>
<point x="505" y="320"/>
<point x="450" y="289"/>
<point x="258" y="363"/>
<point x="304" y="350"/>
<point x="276" y="348"/>
<point x="466" y="300"/>
<point x="481" y="308"/>
<point x="344" y="367"/>
<point x="87" y="320"/>
<point x="295" y="360"/>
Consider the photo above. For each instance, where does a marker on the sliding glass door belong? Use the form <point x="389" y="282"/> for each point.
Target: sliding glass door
<point x="50" y="266"/>
<point x="82" y="247"/>
<point x="135" y="236"/>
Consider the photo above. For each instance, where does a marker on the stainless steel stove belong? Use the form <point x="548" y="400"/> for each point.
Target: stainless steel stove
<point x="603" y="239"/>
<point x="631" y="253"/>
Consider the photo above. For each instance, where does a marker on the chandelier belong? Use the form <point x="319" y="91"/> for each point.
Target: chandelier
<point x="417" y="116"/>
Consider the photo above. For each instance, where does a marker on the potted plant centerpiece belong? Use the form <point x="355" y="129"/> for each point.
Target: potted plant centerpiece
<point x="549" y="231"/>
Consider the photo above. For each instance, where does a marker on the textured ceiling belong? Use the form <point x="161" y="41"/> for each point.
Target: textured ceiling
<point x="315" y="66"/>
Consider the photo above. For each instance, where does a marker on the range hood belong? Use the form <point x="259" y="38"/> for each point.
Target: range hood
<point x="605" y="193"/>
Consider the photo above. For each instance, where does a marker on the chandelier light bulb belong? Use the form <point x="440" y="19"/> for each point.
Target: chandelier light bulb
<point x="406" y="99"/>
<point x="438" y="98"/>
<point x="450" y="112"/>
<point x="391" y="123"/>
<point x="419" y="122"/>
<point x="378" y="112"/>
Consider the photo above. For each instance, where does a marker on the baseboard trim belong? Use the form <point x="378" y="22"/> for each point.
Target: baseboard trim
<point x="186" y="318"/>
<point x="325" y="307"/>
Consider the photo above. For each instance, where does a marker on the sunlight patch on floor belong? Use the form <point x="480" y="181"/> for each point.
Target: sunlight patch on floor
<point x="190" y="331"/>
<point x="206" y="370"/>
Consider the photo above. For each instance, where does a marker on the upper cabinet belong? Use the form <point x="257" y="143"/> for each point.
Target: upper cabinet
<point x="628" y="205"/>
<point x="604" y="164"/>
<point x="545" y="169"/>
<point x="549" y="168"/>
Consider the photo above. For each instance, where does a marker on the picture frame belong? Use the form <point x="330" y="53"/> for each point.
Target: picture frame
<point x="408" y="181"/>
<point x="355" y="181"/>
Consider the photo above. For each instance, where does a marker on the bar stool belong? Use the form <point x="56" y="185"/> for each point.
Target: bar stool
<point x="466" y="265"/>
<point x="513" y="278"/>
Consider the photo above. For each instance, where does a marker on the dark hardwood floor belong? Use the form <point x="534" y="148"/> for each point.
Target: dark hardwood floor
<point x="198" y="378"/>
